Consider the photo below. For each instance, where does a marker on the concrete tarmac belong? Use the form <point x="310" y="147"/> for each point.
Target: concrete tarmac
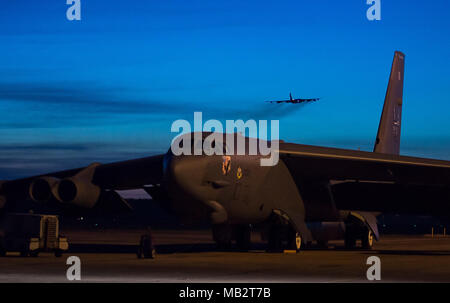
<point x="191" y="256"/>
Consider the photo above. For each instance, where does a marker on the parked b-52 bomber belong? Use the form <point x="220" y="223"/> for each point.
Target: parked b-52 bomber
<point x="312" y="194"/>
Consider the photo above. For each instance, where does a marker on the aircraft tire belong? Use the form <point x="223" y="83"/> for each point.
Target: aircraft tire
<point x="243" y="237"/>
<point x="294" y="240"/>
<point x="275" y="243"/>
<point x="350" y="240"/>
<point x="146" y="249"/>
<point x="367" y="239"/>
<point x="222" y="235"/>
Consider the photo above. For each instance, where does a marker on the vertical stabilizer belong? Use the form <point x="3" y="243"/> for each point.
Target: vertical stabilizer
<point x="388" y="136"/>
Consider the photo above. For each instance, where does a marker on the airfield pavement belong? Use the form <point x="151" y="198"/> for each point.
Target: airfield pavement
<point x="191" y="256"/>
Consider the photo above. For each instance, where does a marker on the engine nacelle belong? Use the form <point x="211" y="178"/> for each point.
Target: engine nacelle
<point x="42" y="189"/>
<point x="79" y="192"/>
<point x="79" y="189"/>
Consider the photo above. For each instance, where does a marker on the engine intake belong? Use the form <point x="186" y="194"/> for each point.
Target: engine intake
<point x="79" y="189"/>
<point x="42" y="189"/>
<point x="79" y="192"/>
<point x="67" y="190"/>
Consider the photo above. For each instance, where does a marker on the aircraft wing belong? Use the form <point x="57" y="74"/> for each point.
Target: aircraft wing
<point x="306" y="100"/>
<point x="372" y="181"/>
<point x="294" y="100"/>
<point x="280" y="101"/>
<point x="85" y="186"/>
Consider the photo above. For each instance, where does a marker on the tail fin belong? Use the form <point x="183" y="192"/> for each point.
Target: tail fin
<point x="388" y="136"/>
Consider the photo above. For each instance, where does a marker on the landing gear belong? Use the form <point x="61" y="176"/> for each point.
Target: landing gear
<point x="367" y="239"/>
<point x="282" y="236"/>
<point x="146" y="249"/>
<point x="274" y="243"/>
<point x="224" y="234"/>
<point x="350" y="240"/>
<point x="357" y="232"/>
<point x="352" y="231"/>
<point x="295" y="241"/>
<point x="243" y="236"/>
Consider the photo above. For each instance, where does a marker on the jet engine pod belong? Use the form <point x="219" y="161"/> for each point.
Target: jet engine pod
<point x="79" y="189"/>
<point x="79" y="192"/>
<point x="42" y="189"/>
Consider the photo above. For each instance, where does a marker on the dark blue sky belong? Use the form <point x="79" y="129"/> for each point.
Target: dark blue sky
<point x="109" y="86"/>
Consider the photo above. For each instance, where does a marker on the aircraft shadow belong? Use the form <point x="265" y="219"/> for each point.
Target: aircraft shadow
<point x="160" y="249"/>
<point x="212" y="247"/>
<point x="409" y="252"/>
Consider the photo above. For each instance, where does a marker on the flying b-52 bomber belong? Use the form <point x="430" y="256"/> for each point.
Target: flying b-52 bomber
<point x="312" y="194"/>
<point x="292" y="100"/>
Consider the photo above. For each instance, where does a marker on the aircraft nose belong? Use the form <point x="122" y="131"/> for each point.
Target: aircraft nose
<point x="185" y="173"/>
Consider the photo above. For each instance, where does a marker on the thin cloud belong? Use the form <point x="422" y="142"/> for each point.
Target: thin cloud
<point x="86" y="98"/>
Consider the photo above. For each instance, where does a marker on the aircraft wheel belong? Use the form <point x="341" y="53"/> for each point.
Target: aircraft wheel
<point x="146" y="249"/>
<point x="34" y="254"/>
<point x="222" y="235"/>
<point x="295" y="241"/>
<point x="151" y="254"/>
<point x="243" y="237"/>
<point x="24" y="253"/>
<point x="350" y="240"/>
<point x="275" y="243"/>
<point x="139" y="253"/>
<point x="367" y="239"/>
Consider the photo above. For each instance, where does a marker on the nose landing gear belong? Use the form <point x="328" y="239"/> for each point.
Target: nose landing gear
<point x="354" y="233"/>
<point x="367" y="239"/>
<point x="224" y="234"/>
<point x="282" y="236"/>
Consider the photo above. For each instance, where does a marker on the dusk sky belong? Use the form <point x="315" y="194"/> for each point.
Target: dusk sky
<point x="108" y="87"/>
